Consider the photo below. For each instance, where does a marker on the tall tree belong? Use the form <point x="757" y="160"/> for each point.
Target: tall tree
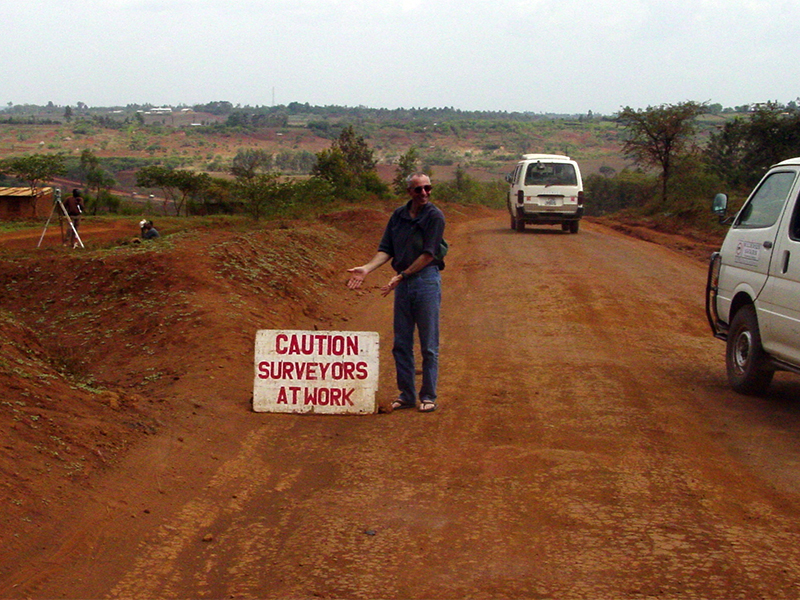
<point x="406" y="165"/>
<point x="248" y="162"/>
<point x="745" y="147"/>
<point x="177" y="185"/>
<point x="97" y="179"/>
<point x="101" y="182"/>
<point x="263" y="194"/>
<point x="359" y="156"/>
<point x="88" y="161"/>
<point x="659" y="136"/>
<point x="34" y="168"/>
<point x="349" y="165"/>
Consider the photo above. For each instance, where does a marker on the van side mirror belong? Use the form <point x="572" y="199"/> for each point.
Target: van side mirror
<point x="509" y="177"/>
<point x="719" y="206"/>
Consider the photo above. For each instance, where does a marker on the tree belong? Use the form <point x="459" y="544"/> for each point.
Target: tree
<point x="332" y="167"/>
<point x="177" y="185"/>
<point x="101" y="182"/>
<point x="34" y="169"/>
<point x="349" y="166"/>
<point x="97" y="180"/>
<point x="217" y="197"/>
<point x="88" y="160"/>
<point x="356" y="151"/>
<point x="262" y="194"/>
<point x="248" y="162"/>
<point x="300" y="161"/>
<point x="745" y="147"/>
<point x="406" y="165"/>
<point x="658" y="136"/>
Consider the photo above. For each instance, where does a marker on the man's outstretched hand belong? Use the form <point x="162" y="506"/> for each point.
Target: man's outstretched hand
<point x="357" y="276"/>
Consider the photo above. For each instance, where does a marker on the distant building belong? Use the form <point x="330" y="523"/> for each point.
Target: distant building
<point x="22" y="203"/>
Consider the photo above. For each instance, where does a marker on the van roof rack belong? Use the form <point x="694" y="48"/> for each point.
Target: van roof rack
<point x="545" y="157"/>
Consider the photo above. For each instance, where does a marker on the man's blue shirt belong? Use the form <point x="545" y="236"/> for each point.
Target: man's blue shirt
<point x="405" y="238"/>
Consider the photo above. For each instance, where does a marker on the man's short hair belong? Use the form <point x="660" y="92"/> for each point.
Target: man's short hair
<point x="413" y="176"/>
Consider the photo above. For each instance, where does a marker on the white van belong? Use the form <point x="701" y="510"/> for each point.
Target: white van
<point x="753" y="288"/>
<point x="545" y="189"/>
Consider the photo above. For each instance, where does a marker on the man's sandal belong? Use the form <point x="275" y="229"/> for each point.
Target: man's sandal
<point x="399" y="405"/>
<point x="427" y="406"/>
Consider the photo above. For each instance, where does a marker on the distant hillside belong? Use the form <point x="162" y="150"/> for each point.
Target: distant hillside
<point x="485" y="149"/>
<point x="206" y="137"/>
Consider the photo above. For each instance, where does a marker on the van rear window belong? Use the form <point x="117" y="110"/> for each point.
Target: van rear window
<point x="541" y="173"/>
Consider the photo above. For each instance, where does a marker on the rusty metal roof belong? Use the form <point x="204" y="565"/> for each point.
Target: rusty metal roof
<point x="23" y="191"/>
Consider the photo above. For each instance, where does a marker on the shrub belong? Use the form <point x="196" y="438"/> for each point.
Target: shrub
<point x="624" y="190"/>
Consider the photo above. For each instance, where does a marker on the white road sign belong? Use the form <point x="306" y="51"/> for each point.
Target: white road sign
<point x="330" y="372"/>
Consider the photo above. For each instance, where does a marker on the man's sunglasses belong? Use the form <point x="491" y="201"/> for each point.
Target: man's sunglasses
<point x="419" y="188"/>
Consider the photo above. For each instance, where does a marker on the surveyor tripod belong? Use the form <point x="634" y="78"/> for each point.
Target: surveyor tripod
<point x="72" y="229"/>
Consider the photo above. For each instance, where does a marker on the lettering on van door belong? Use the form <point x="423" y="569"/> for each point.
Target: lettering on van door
<point x="747" y="253"/>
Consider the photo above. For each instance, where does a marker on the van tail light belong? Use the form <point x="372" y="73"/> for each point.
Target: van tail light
<point x="520" y="197"/>
<point x="580" y="198"/>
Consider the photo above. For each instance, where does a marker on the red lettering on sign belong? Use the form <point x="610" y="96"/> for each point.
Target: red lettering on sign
<point x="323" y="396"/>
<point x="320" y="344"/>
<point x="346" y="393"/>
<point x="280" y="343"/>
<point x="312" y="371"/>
<point x="294" y="391"/>
<point x="311" y="396"/>
<point x="263" y="370"/>
<point x="327" y="396"/>
<point x="336" y="393"/>
<point x="361" y="370"/>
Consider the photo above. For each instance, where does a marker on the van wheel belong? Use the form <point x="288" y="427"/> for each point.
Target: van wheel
<point x="744" y="357"/>
<point x="573" y="226"/>
<point x="520" y="225"/>
<point x="565" y="226"/>
<point x="513" y="223"/>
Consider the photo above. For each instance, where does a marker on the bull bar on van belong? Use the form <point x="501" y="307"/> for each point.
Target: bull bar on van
<point x="718" y="327"/>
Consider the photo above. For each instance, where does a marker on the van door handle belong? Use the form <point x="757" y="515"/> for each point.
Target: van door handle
<point x="785" y="267"/>
<point x="767" y="244"/>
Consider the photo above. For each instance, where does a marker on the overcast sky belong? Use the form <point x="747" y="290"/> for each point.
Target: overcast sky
<point x="553" y="56"/>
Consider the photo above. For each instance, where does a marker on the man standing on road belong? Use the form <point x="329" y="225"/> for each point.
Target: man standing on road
<point x="411" y="241"/>
<point x="75" y="207"/>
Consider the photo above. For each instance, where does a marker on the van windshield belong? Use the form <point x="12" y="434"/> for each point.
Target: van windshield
<point x="767" y="201"/>
<point x="542" y="173"/>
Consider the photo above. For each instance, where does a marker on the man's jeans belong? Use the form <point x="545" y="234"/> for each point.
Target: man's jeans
<point x="417" y="300"/>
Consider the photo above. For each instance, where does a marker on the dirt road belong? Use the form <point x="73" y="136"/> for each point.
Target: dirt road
<point x="586" y="446"/>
